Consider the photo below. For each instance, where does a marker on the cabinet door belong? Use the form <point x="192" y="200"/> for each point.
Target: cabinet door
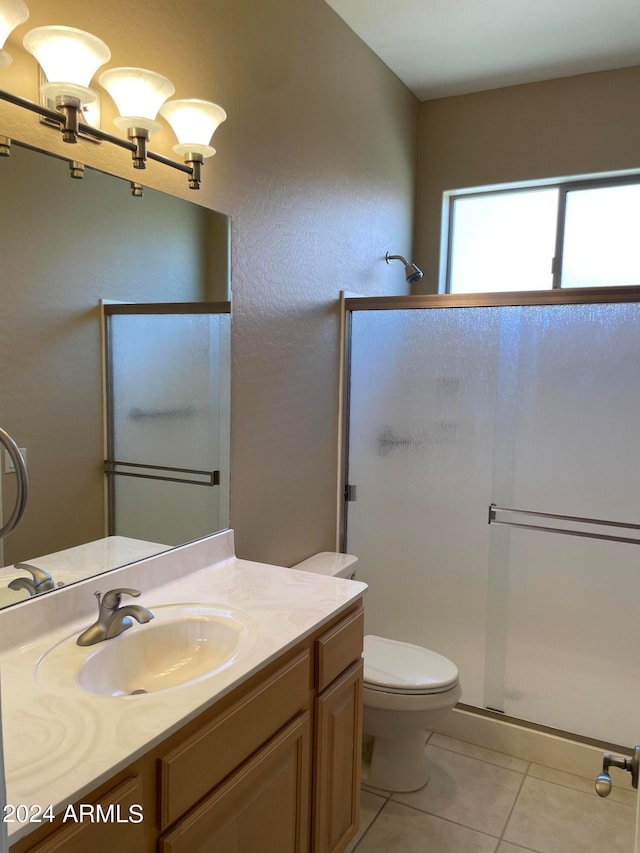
<point x="115" y="822"/>
<point x="338" y="745"/>
<point x="264" y="806"/>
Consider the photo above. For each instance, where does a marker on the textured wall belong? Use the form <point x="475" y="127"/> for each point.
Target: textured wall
<point x="572" y="126"/>
<point x="316" y="165"/>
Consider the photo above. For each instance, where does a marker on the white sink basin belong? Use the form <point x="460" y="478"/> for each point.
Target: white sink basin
<point x="184" y="643"/>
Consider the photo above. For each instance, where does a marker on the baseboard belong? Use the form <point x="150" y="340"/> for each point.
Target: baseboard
<point x="563" y="752"/>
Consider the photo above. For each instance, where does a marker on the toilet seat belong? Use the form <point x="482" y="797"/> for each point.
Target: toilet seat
<point x="391" y="666"/>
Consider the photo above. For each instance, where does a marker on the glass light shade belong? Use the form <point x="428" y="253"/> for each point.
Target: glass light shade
<point x="12" y="14"/>
<point x="194" y="123"/>
<point x="138" y="94"/>
<point x="69" y="59"/>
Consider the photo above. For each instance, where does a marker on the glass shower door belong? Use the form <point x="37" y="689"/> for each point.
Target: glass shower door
<point x="565" y="643"/>
<point x="167" y="402"/>
<point x="421" y="431"/>
<point x="531" y="408"/>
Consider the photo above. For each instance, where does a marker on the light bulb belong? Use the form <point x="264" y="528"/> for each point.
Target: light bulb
<point x="194" y="123"/>
<point x="12" y="14"/>
<point x="138" y="94"/>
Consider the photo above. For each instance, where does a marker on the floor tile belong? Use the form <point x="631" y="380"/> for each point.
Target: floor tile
<point x="399" y="829"/>
<point x="551" y="818"/>
<point x="370" y="805"/>
<point x="579" y="783"/>
<point x="467" y="791"/>
<point x="505" y="847"/>
<point x="500" y="759"/>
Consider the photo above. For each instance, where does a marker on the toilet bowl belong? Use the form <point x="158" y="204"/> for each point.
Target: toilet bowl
<point x="406" y="689"/>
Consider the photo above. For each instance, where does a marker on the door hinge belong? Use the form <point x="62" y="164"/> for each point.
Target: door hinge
<point x="349" y="493"/>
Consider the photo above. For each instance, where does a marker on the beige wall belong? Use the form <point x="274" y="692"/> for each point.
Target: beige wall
<point x="316" y="165"/>
<point x="571" y="126"/>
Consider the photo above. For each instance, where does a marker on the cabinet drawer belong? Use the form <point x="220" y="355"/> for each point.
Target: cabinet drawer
<point x="338" y="648"/>
<point x="194" y="768"/>
<point x="112" y="832"/>
<point x="263" y="806"/>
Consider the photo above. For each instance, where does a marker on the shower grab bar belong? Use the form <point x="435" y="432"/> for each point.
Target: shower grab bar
<point x="494" y="509"/>
<point x="213" y="477"/>
<point x="22" y="481"/>
<point x="181" y="412"/>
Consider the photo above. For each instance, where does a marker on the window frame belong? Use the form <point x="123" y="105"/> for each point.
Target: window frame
<point x="563" y="185"/>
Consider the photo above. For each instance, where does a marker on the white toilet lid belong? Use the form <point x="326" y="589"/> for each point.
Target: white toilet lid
<point x="396" y="666"/>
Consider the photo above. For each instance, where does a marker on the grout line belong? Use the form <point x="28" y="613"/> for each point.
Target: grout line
<point x="576" y="790"/>
<point x="446" y="819"/>
<point x="511" y="810"/>
<point x="379" y="792"/>
<point x="375" y="818"/>
<point x="483" y="761"/>
<point x="487" y="749"/>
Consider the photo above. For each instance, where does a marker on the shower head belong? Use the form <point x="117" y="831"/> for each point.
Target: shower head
<point x="411" y="271"/>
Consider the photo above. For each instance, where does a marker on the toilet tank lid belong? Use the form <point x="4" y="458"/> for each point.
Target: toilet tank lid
<point x="329" y="563"/>
<point x="403" y="666"/>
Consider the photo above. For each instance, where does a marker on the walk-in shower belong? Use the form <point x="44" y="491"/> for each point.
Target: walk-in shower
<point x="493" y="444"/>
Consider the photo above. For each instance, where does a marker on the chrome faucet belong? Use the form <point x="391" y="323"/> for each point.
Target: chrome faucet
<point x="113" y="619"/>
<point x="40" y="580"/>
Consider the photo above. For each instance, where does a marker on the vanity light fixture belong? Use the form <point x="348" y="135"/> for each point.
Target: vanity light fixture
<point x="194" y="122"/>
<point x="69" y="59"/>
<point x="138" y="94"/>
<point x="12" y="14"/>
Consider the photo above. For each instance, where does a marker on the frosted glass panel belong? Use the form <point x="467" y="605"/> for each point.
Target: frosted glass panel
<point x="168" y="406"/>
<point x="172" y="513"/>
<point x="601" y="237"/>
<point x="423" y="398"/>
<point x="576" y="411"/>
<point x="535" y="408"/>
<point x="570" y="657"/>
<point x="503" y="241"/>
<point x="572" y="639"/>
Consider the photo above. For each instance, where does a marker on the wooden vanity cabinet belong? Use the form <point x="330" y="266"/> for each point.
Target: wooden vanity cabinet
<point x="274" y="767"/>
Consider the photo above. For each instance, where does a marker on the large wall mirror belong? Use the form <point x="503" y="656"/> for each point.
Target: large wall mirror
<point x="147" y="385"/>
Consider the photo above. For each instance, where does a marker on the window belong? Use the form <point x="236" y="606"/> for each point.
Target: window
<point x="581" y="234"/>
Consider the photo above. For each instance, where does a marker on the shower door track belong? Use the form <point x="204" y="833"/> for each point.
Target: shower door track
<point x="568" y="296"/>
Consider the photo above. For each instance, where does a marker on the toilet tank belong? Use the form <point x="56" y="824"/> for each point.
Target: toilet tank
<point x="330" y="563"/>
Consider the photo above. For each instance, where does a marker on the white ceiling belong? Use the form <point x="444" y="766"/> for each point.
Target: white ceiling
<point x="452" y="47"/>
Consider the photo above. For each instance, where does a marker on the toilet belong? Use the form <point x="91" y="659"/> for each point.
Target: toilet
<point x="406" y="689"/>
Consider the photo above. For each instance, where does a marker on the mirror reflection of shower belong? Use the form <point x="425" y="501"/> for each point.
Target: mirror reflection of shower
<point x="411" y="271"/>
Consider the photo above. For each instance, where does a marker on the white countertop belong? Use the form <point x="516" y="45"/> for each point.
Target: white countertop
<point x="81" y="561"/>
<point x="61" y="741"/>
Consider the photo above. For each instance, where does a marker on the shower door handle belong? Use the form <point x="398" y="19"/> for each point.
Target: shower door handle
<point x="632" y="765"/>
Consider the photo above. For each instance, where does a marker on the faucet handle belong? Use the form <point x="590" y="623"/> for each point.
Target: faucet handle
<point x="113" y="597"/>
<point x="39" y="575"/>
<point x="42" y="580"/>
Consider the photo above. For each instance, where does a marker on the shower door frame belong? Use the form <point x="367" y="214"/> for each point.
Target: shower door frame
<point x="349" y="304"/>
<point x="111" y="467"/>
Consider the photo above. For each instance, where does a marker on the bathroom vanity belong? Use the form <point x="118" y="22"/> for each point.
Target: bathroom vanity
<point x="261" y="754"/>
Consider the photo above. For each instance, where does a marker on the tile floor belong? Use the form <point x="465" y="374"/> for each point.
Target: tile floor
<point x="480" y="801"/>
